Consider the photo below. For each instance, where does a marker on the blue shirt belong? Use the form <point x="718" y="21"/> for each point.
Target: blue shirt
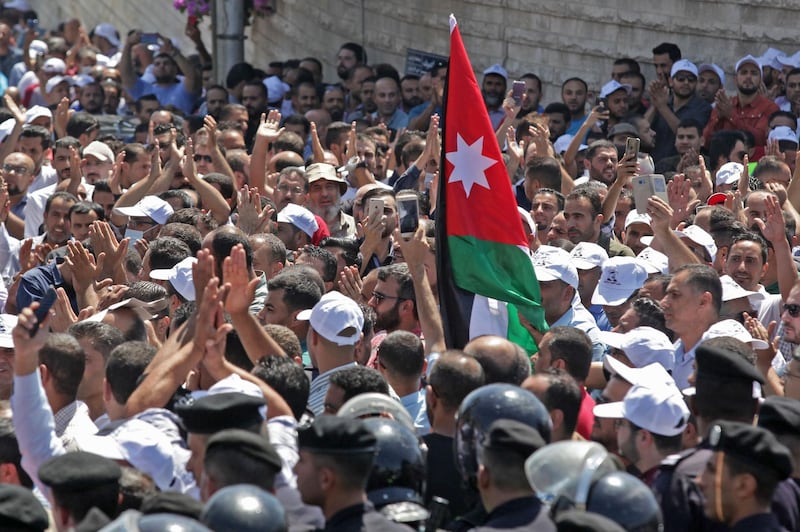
<point x="35" y="283"/>
<point x="398" y="121"/>
<point x="577" y="316"/>
<point x="414" y="403"/>
<point x="175" y="94"/>
<point x="575" y="124"/>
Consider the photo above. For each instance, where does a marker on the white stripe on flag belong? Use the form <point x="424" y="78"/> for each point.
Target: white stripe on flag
<point x="489" y="316"/>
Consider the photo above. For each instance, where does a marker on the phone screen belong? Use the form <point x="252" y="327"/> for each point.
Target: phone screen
<point x="408" y="211"/>
<point x="149" y="38"/>
<point x="518" y="92"/>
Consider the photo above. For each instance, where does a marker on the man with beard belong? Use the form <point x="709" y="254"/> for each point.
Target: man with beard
<point x="684" y="104"/>
<point x="18" y="176"/>
<point x="350" y="55"/>
<point x="167" y="87"/>
<point x="493" y="89"/>
<point x="333" y="102"/>
<point x="354" y="102"/>
<point x="546" y="203"/>
<point x="409" y="89"/>
<point x="254" y="99"/>
<point x="710" y="81"/>
<point x="601" y="161"/>
<point x="291" y="187"/>
<point x="573" y="94"/>
<point x="748" y="110"/>
<point x="325" y="189"/>
<point x="532" y="95"/>
<point x="377" y="247"/>
<point x="584" y="217"/>
<point x="395" y="305"/>
<point x="91" y="98"/>
<point x="97" y="162"/>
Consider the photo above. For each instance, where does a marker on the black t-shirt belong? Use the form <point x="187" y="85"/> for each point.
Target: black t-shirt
<point x="443" y="479"/>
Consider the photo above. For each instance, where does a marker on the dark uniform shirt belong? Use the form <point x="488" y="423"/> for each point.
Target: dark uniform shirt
<point x="760" y="523"/>
<point x="443" y="479"/>
<point x="361" y="518"/>
<point x="520" y="514"/>
<point x="676" y="492"/>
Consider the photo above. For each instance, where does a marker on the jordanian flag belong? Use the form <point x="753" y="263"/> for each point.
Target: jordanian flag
<point x="484" y="266"/>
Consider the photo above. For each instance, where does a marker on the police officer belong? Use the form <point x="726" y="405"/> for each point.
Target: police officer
<point x="741" y="474"/>
<point x="244" y="508"/>
<point x="723" y="390"/>
<point x="336" y="457"/>
<point x="21" y="510"/>
<point x="781" y="416"/>
<point x="506" y="494"/>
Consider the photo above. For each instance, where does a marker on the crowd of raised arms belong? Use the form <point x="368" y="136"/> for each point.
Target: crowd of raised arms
<point x="211" y="318"/>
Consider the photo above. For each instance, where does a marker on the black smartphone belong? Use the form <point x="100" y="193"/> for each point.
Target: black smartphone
<point x="632" y="146"/>
<point x="45" y="304"/>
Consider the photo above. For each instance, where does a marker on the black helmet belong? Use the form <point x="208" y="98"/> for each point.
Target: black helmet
<point x="626" y="500"/>
<point x="397" y="479"/>
<point x="486" y="405"/>
<point x="171" y="522"/>
<point x="244" y="508"/>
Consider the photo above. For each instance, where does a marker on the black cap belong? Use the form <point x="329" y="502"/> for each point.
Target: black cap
<point x="753" y="445"/>
<point x="508" y="435"/>
<point x="219" y="411"/>
<point x="20" y="509"/>
<point x="78" y="470"/>
<point x="172" y="502"/>
<point x="332" y="435"/>
<point x="780" y="415"/>
<point x="251" y="444"/>
<point x="722" y="364"/>
<point x="579" y="521"/>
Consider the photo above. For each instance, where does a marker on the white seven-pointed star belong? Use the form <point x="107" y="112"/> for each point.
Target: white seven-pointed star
<point x="469" y="164"/>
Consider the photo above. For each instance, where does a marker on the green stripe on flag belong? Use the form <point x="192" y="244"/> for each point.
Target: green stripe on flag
<point x="500" y="271"/>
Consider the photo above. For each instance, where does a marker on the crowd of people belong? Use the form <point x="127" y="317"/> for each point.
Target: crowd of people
<point x="212" y="320"/>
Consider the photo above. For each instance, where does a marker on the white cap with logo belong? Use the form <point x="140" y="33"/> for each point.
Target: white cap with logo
<point x="660" y="410"/>
<point x="621" y="277"/>
<point x="336" y="317"/>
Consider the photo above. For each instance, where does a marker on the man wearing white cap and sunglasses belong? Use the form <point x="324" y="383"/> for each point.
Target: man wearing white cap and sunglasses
<point x="682" y="104"/>
<point x="748" y="110"/>
<point x="650" y="423"/>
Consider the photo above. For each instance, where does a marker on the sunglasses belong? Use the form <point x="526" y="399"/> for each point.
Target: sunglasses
<point x="198" y="158"/>
<point x="683" y="79"/>
<point x="380" y="297"/>
<point x="793" y="309"/>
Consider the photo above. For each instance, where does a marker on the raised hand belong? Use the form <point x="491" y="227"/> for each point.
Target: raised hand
<point x="269" y="128"/>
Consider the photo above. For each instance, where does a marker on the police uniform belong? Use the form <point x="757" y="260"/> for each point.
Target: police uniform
<point x="781" y="416"/>
<point x="215" y="412"/>
<point x="719" y="371"/>
<point x="758" y="448"/>
<point x="21" y="510"/>
<point x="340" y="436"/>
<point x="517" y="441"/>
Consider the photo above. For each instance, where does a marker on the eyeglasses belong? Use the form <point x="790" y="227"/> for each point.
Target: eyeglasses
<point x="198" y="157"/>
<point x="286" y="189"/>
<point x="793" y="309"/>
<point x="682" y="79"/>
<point x="380" y="297"/>
<point x="15" y="169"/>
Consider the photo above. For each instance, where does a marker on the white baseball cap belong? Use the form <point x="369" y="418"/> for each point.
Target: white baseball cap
<point x="729" y="173"/>
<point x="336" y="317"/>
<point x="100" y="150"/>
<point x="588" y="255"/>
<point x="712" y="67"/>
<point x="151" y="206"/>
<point x="770" y="58"/>
<point x="180" y="276"/>
<point x="37" y="48"/>
<point x="299" y="217"/>
<point x="108" y="31"/>
<point x="698" y="235"/>
<point x="554" y="264"/>
<point x="734" y="329"/>
<point x="37" y="111"/>
<point x="54" y="65"/>
<point x="748" y="59"/>
<point x="6" y="128"/>
<point x="732" y="290"/>
<point x="784" y="133"/>
<point x="612" y="87"/>
<point x="621" y="277"/>
<point x="146" y="310"/>
<point x="683" y="65"/>
<point x="55" y="81"/>
<point x="650" y="375"/>
<point x="498" y="70"/>
<point x="643" y="346"/>
<point x="653" y="261"/>
<point x="660" y="410"/>
<point x="562" y="143"/>
<point x="7" y="323"/>
<point x="635" y="217"/>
